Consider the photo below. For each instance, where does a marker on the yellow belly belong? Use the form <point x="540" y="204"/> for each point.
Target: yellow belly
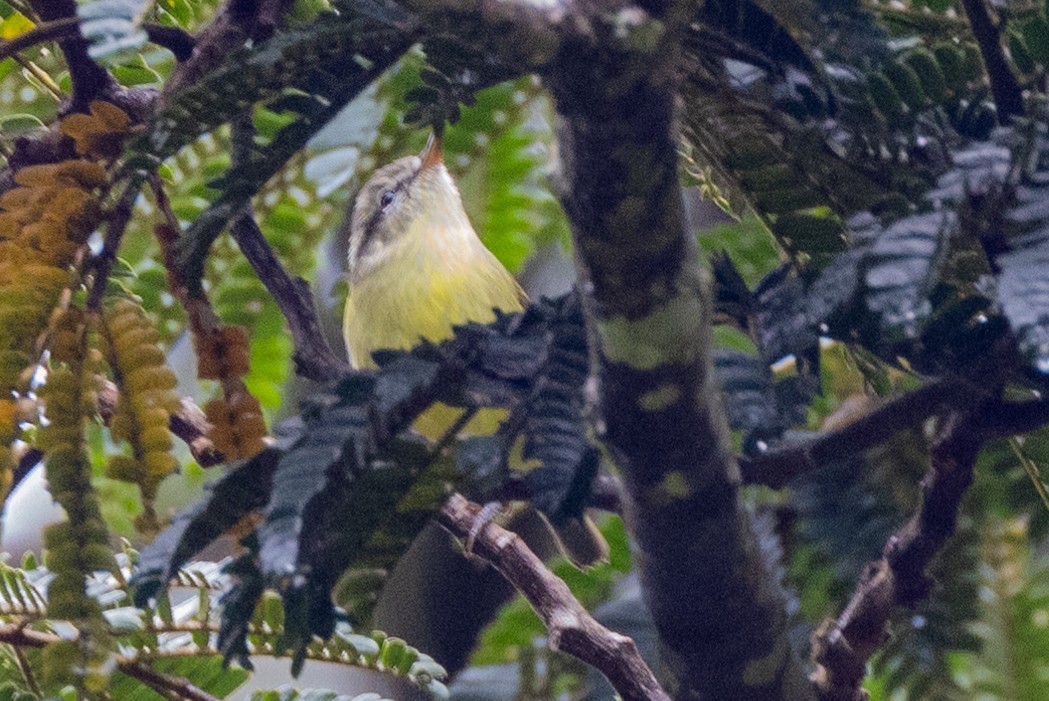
<point x="393" y="309"/>
<point x="397" y="309"/>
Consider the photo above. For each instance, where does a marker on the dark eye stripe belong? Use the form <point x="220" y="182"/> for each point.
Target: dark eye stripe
<point x="372" y="225"/>
<point x="395" y="177"/>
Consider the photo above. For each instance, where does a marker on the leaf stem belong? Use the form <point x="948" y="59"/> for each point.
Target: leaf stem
<point x="27" y="671"/>
<point x="1031" y="468"/>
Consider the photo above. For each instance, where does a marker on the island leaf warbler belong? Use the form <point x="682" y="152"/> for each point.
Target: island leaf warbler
<point x="416" y="270"/>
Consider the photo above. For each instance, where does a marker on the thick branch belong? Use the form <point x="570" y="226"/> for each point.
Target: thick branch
<point x="841" y="648"/>
<point x="237" y="22"/>
<point x="571" y="628"/>
<point x="1008" y="97"/>
<point x="779" y="466"/>
<point x="1013" y="418"/>
<point x="648" y="306"/>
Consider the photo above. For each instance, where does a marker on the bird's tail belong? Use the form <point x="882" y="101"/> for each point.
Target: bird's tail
<point x="581" y="541"/>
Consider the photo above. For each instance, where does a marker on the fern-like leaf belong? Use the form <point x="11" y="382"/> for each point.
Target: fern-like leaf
<point x="1023" y="291"/>
<point x="245" y="488"/>
<point x="317" y="69"/>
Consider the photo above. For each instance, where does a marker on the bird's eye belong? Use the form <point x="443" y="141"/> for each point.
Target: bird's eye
<point x="387" y="199"/>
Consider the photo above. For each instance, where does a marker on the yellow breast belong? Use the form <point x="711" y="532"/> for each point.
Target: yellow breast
<point x="421" y="292"/>
<point x="437" y="276"/>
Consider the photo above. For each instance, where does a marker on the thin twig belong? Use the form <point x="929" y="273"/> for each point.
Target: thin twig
<point x="841" y="648"/>
<point x="46" y="31"/>
<point x="175" y="39"/>
<point x="164" y="683"/>
<point x="27" y="672"/>
<point x="102" y="264"/>
<point x="88" y="78"/>
<point x="571" y="628"/>
<point x="779" y="466"/>
<point x="1008" y="97"/>
<point x="189" y="423"/>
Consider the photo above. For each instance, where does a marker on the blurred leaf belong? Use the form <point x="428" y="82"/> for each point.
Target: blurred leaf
<point x="112" y="25"/>
<point x="1015" y="626"/>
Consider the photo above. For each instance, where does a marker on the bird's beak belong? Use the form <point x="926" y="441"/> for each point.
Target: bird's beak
<point x="433" y="155"/>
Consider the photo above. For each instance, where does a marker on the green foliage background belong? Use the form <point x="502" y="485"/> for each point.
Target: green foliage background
<point x="983" y="633"/>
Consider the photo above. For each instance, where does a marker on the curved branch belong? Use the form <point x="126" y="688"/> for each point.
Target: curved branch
<point x="46" y="31"/>
<point x="313" y="359"/>
<point x="571" y="628"/>
<point x="779" y="466"/>
<point x="841" y="648"/>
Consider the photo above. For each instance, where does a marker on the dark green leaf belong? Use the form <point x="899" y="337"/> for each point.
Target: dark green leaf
<point x="245" y="488"/>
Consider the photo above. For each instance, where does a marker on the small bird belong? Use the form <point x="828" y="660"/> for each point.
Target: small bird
<point x="417" y="269"/>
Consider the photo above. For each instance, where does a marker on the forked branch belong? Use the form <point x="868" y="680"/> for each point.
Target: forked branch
<point x="571" y="628"/>
<point x="841" y="648"/>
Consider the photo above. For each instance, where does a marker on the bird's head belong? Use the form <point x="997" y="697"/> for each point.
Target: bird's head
<point x="414" y="193"/>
